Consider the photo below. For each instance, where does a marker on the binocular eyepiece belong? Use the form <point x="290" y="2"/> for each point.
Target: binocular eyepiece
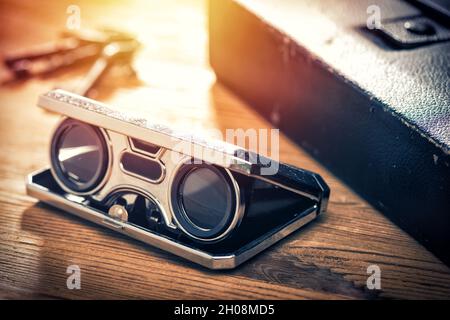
<point x="209" y="204"/>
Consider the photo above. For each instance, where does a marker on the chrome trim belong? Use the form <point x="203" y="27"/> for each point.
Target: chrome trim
<point x="163" y="167"/>
<point x="144" y="193"/>
<point x="119" y="180"/>
<point x="238" y="213"/>
<point x="304" y="194"/>
<point x="118" y="128"/>
<point x="228" y="261"/>
<point x="156" y="155"/>
<point x="99" y="114"/>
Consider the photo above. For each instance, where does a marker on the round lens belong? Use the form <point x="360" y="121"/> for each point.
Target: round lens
<point x="78" y="155"/>
<point x="206" y="198"/>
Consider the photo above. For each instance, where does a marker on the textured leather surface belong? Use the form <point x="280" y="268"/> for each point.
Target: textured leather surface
<point x="414" y="84"/>
<point x="377" y="117"/>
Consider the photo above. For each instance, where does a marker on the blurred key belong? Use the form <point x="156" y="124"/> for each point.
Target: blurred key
<point x="70" y="48"/>
<point x="120" y="52"/>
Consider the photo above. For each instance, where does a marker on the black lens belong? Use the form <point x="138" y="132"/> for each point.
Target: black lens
<point x="206" y="197"/>
<point x="205" y="200"/>
<point x="79" y="155"/>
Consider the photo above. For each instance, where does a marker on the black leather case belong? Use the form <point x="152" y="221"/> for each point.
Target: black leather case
<point x="372" y="105"/>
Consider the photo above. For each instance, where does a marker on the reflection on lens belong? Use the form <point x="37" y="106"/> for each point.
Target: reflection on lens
<point x="205" y="202"/>
<point x="206" y="197"/>
<point x="78" y="155"/>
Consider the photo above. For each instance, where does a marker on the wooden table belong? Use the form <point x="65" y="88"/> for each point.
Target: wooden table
<point x="326" y="260"/>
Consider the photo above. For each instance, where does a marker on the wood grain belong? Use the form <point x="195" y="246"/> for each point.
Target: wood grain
<point x="326" y="260"/>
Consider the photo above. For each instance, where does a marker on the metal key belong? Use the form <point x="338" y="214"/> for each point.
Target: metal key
<point x="71" y="48"/>
<point x="115" y="52"/>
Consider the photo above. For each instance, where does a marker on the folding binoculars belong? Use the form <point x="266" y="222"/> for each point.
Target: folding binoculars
<point x="205" y="200"/>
